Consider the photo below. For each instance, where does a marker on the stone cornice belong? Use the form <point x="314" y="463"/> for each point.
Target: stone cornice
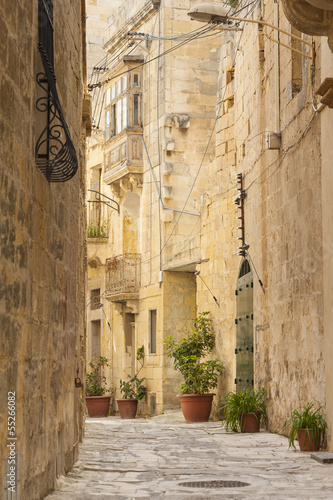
<point x="142" y="15"/>
<point x="309" y="19"/>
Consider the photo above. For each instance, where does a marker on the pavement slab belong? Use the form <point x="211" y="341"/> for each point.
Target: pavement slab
<point x="164" y="457"/>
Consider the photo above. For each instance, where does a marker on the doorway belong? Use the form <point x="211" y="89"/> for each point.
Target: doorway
<point x="244" y="329"/>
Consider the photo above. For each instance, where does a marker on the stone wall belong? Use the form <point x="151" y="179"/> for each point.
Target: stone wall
<point x="283" y="216"/>
<point x="178" y="113"/>
<point x="42" y="255"/>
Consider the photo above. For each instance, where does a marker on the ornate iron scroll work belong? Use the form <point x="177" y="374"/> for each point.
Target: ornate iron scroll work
<point x="54" y="152"/>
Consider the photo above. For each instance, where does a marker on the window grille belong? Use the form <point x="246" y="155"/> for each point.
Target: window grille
<point x="54" y="152"/>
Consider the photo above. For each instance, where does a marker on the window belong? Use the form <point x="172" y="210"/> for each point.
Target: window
<point x="108" y="96"/>
<point x="122" y="105"/>
<point x="124" y="112"/>
<point x="296" y="64"/>
<point x="113" y="120"/>
<point x="118" y="87"/>
<point x="95" y="299"/>
<point x="118" y="115"/>
<point x="107" y="125"/>
<point x="136" y="109"/>
<point x="152" y="331"/>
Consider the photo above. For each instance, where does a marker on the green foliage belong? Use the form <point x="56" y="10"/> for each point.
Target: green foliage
<point x="199" y="377"/>
<point x="233" y="405"/>
<point x="98" y="230"/>
<point x="233" y="3"/>
<point x="96" y="380"/>
<point x="306" y="417"/>
<point x="133" y="388"/>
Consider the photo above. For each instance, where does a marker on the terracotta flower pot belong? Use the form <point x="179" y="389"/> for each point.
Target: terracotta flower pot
<point x="127" y="407"/>
<point x="250" y="422"/>
<point x="308" y="442"/>
<point x="98" y="406"/>
<point x="196" y="407"/>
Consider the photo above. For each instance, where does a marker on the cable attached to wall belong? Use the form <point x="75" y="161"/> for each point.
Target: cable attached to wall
<point x="197" y="273"/>
<point x="247" y="253"/>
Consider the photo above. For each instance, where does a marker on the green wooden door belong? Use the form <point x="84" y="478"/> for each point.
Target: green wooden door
<point x="244" y="328"/>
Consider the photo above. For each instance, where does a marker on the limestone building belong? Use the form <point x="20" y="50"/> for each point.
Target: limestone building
<point x="43" y="123"/>
<point x="229" y="132"/>
<point x="157" y="126"/>
<point x="270" y="190"/>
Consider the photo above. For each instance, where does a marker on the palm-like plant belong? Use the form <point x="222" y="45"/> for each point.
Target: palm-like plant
<point x="236" y="404"/>
<point x="309" y="418"/>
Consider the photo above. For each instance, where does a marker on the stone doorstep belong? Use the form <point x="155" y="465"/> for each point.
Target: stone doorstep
<point x="323" y="457"/>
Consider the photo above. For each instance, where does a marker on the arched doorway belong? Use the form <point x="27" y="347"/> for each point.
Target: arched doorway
<point x="244" y="328"/>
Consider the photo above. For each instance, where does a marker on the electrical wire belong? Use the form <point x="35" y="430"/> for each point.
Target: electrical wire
<point x="206" y="149"/>
<point x="171" y="49"/>
<point x="290" y="149"/>
<point x="199" y="33"/>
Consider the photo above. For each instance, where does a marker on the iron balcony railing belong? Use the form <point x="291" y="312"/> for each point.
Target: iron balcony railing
<point x="123" y="277"/>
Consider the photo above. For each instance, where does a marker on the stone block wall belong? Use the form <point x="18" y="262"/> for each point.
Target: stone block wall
<point x="42" y="255"/>
<point x="283" y="218"/>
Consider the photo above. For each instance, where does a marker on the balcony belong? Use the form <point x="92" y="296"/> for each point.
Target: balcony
<point x="123" y="156"/>
<point x="122" y="276"/>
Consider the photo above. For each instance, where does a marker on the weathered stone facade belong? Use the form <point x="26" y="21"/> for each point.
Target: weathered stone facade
<point x="284" y="213"/>
<point x="149" y="167"/>
<point x="42" y="255"/>
<point x="270" y="133"/>
<point x="317" y="19"/>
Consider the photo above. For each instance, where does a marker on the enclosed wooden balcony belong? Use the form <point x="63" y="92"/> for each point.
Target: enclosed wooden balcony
<point x="122" y="277"/>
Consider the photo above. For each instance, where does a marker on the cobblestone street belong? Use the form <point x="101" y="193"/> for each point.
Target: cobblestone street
<point x="153" y="458"/>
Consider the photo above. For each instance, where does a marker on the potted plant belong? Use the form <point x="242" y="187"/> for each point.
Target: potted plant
<point x="97" y="403"/>
<point x="308" y="425"/>
<point x="242" y="410"/>
<point x="199" y="376"/>
<point x="132" y="390"/>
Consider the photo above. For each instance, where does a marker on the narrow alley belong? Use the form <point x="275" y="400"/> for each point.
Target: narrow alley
<point x="163" y="457"/>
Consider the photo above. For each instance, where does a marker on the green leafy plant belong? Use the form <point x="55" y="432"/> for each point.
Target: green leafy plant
<point x="100" y="230"/>
<point x="133" y="388"/>
<point x="199" y="376"/>
<point x="307" y="417"/>
<point x="233" y="3"/>
<point x="235" y="404"/>
<point x="96" y="384"/>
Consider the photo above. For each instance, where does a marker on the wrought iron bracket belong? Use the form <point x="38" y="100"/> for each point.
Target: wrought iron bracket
<point x="54" y="152"/>
<point x="107" y="203"/>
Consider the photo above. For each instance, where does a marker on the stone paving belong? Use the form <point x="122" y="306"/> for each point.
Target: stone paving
<point x="151" y="458"/>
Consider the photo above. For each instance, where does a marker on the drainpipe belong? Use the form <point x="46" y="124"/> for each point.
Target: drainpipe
<point x="277" y="68"/>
